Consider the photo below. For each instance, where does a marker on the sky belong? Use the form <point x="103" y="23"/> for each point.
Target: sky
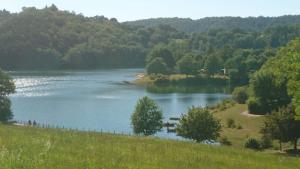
<point x="128" y="10"/>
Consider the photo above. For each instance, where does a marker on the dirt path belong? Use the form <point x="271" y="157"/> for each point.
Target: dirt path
<point x="246" y="113"/>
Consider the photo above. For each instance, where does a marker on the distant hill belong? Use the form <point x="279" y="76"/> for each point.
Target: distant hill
<point x="50" y="38"/>
<point x="205" y="24"/>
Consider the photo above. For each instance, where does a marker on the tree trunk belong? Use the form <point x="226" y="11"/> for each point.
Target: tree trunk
<point x="295" y="143"/>
<point x="280" y="145"/>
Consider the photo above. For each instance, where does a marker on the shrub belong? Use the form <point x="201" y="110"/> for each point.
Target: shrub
<point x="252" y="143"/>
<point x="239" y="127"/>
<point x="254" y="106"/>
<point x="240" y="95"/>
<point x="225" y="141"/>
<point x="199" y="124"/>
<point x="266" y="141"/>
<point x="230" y="123"/>
<point x="157" y="66"/>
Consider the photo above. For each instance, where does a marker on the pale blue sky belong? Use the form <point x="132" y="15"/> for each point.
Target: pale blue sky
<point x="125" y="10"/>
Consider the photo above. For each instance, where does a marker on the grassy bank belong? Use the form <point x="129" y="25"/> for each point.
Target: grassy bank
<point x="30" y="148"/>
<point x="180" y="79"/>
<point x="250" y="126"/>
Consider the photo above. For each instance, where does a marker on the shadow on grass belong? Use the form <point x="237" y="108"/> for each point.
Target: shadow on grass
<point x="293" y="153"/>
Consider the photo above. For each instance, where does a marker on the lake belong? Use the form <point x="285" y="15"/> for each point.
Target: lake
<point x="97" y="100"/>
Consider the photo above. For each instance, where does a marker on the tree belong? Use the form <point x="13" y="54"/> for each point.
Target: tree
<point x="6" y="87"/>
<point x="187" y="64"/>
<point x="240" y="95"/>
<point x="213" y="64"/>
<point x="164" y="53"/>
<point x="285" y="67"/>
<point x="199" y="124"/>
<point x="157" y="66"/>
<point x="282" y="126"/>
<point x="269" y="90"/>
<point x="5" y="110"/>
<point x="147" y="119"/>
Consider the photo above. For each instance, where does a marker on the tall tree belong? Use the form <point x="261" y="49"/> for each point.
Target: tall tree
<point x="6" y="87"/>
<point x="163" y="52"/>
<point x="283" y="126"/>
<point x="187" y="64"/>
<point x="147" y="119"/>
<point x="270" y="91"/>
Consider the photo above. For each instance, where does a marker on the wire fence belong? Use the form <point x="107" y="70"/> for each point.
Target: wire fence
<point x="51" y="126"/>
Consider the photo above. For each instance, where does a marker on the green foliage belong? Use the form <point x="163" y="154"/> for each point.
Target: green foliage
<point x="283" y="126"/>
<point x="255" y="106"/>
<point x="164" y="54"/>
<point x="157" y="66"/>
<point x="230" y="123"/>
<point x="147" y="117"/>
<point x="213" y="64"/>
<point x="266" y="141"/>
<point x="199" y="124"/>
<point x="283" y="81"/>
<point x="203" y="25"/>
<point x="225" y="141"/>
<point x="239" y="127"/>
<point x="50" y="39"/>
<point x="270" y="91"/>
<point x="252" y="143"/>
<point x="6" y="87"/>
<point x="187" y="64"/>
<point x="5" y="111"/>
<point x="240" y="95"/>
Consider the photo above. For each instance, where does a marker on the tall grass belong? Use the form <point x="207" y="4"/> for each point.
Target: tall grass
<point x="35" y="148"/>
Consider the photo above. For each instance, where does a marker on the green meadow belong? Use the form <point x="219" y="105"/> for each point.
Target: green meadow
<point x="37" y="148"/>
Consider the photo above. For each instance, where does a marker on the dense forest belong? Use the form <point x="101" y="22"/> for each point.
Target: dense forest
<point x="49" y="38"/>
<point x="205" y="24"/>
<point x="53" y="39"/>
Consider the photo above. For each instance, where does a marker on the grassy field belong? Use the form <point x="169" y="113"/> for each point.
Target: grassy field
<point x="250" y="125"/>
<point x="34" y="148"/>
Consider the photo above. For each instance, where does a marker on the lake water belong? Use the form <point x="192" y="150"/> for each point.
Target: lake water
<point x="96" y="100"/>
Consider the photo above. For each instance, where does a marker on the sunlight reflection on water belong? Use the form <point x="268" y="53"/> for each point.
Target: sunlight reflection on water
<point x="96" y="100"/>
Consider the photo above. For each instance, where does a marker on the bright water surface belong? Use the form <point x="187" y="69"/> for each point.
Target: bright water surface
<point x="97" y="100"/>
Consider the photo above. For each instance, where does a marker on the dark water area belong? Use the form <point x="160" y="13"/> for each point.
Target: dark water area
<point x="99" y="100"/>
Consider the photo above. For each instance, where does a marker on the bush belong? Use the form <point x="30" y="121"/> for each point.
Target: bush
<point x="230" y="123"/>
<point x="240" y="95"/>
<point x="266" y="142"/>
<point x="254" y="106"/>
<point x="239" y="127"/>
<point x="252" y="143"/>
<point x="199" y="124"/>
<point x="225" y="141"/>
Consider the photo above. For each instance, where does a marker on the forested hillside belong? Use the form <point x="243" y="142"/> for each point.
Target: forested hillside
<point x="49" y="39"/>
<point x="239" y="52"/>
<point x="53" y="39"/>
<point x="206" y="24"/>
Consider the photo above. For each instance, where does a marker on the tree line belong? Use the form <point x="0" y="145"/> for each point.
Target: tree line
<point x="256" y="24"/>
<point x="53" y="39"/>
<point x="234" y="53"/>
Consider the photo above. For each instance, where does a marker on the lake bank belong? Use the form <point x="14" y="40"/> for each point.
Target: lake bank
<point x="180" y="79"/>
